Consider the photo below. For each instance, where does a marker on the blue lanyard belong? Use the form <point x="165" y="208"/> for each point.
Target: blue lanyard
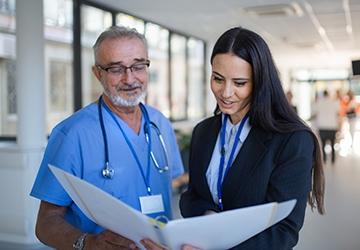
<point x="222" y="158"/>
<point x="147" y="178"/>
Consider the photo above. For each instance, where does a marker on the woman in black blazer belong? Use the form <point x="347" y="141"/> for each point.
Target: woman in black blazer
<point x="255" y="149"/>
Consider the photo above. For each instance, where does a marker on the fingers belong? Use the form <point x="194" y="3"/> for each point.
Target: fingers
<point x="110" y="240"/>
<point x="208" y="212"/>
<point x="150" y="245"/>
<point x="188" y="247"/>
<point x="118" y="240"/>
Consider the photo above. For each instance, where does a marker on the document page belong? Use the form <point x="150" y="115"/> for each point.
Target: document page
<point x="226" y="229"/>
<point x="233" y="227"/>
<point x="106" y="210"/>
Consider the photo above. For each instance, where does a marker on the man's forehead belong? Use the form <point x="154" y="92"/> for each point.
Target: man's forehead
<point x="119" y="49"/>
<point x="124" y="41"/>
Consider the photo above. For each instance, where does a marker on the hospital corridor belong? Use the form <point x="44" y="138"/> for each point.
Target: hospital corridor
<point x="299" y="68"/>
<point x="339" y="228"/>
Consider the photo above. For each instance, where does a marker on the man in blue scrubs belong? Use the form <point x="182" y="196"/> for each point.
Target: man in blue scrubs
<point x="114" y="129"/>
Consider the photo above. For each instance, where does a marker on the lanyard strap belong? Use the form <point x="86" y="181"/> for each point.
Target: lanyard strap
<point x="222" y="158"/>
<point x="147" y="177"/>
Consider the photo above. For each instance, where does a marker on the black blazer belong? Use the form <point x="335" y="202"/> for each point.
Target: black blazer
<point x="269" y="167"/>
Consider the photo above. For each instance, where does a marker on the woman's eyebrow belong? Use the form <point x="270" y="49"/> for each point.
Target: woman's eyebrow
<point x="241" y="79"/>
<point x="218" y="74"/>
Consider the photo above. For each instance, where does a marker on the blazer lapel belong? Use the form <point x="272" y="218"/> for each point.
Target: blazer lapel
<point x="208" y="138"/>
<point x="209" y="141"/>
<point x="245" y="162"/>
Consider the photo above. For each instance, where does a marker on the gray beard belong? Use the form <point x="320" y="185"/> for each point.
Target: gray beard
<point x="121" y="102"/>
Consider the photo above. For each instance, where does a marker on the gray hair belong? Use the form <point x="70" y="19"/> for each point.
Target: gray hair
<point x="118" y="32"/>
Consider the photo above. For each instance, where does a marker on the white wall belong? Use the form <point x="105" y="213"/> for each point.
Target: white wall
<point x="18" y="210"/>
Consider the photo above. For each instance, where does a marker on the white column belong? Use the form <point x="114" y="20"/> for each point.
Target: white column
<point x="19" y="162"/>
<point x="30" y="73"/>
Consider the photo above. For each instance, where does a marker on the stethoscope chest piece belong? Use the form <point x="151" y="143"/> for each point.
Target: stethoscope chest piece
<point x="162" y="170"/>
<point x="107" y="172"/>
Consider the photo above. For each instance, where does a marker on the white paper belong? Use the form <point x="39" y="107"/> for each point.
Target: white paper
<point x="216" y="231"/>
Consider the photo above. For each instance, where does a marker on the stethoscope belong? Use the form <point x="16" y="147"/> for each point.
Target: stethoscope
<point x="108" y="172"/>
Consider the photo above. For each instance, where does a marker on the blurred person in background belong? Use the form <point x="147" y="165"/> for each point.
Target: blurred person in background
<point x="289" y="97"/>
<point x="327" y="121"/>
<point x="351" y="114"/>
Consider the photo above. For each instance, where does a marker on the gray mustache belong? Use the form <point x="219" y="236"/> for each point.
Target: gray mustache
<point x="129" y="87"/>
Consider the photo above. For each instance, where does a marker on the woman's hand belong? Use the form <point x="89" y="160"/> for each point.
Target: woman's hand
<point x="208" y="212"/>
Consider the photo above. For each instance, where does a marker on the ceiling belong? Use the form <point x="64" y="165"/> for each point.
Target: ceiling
<point x="313" y="29"/>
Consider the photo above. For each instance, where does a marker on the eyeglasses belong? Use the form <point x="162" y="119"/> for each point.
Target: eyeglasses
<point x="119" y="70"/>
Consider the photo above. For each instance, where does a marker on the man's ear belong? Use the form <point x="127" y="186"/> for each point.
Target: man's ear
<point x="96" y="72"/>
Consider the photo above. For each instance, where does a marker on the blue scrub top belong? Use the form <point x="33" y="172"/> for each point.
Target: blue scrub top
<point x="76" y="146"/>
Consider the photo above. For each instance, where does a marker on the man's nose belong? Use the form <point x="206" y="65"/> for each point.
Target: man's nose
<point x="128" y="76"/>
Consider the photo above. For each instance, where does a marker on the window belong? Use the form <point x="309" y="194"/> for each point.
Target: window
<point x="130" y="21"/>
<point x="178" y="77"/>
<point x="60" y="93"/>
<point x="11" y="88"/>
<point x="196" y="97"/>
<point x="93" y="22"/>
<point x="58" y="13"/>
<point x="7" y="15"/>
<point x="158" y="89"/>
<point x="8" y="109"/>
<point x="58" y="61"/>
<point x="176" y="70"/>
<point x="176" y="62"/>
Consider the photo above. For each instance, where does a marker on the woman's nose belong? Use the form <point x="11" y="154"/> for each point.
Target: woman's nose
<point x="228" y="90"/>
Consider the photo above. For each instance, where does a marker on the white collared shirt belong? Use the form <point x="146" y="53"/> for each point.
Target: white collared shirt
<point x="213" y="170"/>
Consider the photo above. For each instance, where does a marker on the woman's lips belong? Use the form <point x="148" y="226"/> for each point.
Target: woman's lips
<point x="226" y="103"/>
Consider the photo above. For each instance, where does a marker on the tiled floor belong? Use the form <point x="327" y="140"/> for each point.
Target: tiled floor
<point x="339" y="228"/>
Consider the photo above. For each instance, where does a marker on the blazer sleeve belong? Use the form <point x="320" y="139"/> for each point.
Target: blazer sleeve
<point x="291" y="178"/>
<point x="191" y="202"/>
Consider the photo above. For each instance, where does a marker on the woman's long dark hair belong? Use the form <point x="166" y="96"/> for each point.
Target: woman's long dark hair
<point x="270" y="110"/>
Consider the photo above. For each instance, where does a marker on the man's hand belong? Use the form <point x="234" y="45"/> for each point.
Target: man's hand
<point x="150" y="245"/>
<point x="108" y="240"/>
<point x="188" y="247"/>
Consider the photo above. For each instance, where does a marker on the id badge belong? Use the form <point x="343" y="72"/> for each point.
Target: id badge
<point x="151" y="204"/>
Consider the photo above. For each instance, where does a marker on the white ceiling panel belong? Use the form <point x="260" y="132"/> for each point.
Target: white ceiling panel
<point x="284" y="28"/>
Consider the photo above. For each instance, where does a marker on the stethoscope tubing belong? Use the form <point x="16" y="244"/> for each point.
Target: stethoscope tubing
<point x="107" y="172"/>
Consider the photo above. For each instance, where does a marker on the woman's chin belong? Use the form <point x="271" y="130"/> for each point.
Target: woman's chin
<point x="226" y="111"/>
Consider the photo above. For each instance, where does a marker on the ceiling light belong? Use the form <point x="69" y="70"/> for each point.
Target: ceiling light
<point x="291" y="9"/>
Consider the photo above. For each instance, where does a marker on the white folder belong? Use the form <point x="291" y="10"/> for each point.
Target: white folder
<point x="216" y="231"/>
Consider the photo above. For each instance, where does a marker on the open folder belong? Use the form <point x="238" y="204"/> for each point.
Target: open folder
<point x="216" y="231"/>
